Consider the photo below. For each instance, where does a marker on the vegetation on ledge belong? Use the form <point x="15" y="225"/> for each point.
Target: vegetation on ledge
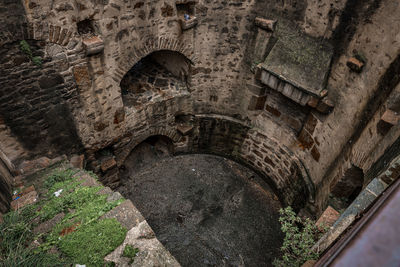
<point x="70" y="228"/>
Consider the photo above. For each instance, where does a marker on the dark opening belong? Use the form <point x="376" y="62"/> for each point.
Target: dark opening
<point x="350" y="185"/>
<point x="186" y="8"/>
<point x="85" y="27"/>
<point x="159" y="75"/>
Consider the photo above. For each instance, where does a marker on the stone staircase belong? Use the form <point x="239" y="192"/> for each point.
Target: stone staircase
<point x="139" y="234"/>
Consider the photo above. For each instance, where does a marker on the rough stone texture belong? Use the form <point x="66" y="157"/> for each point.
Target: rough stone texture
<point x="6" y="179"/>
<point x="198" y="206"/>
<point x="151" y="251"/>
<point x="78" y="161"/>
<point x="127" y="214"/>
<point x="33" y="99"/>
<point x="47" y="226"/>
<point x="223" y="49"/>
<point x="24" y="200"/>
<point x="328" y="218"/>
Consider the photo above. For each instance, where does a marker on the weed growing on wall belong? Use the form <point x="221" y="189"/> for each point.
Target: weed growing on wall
<point x="130" y="252"/>
<point x="26" y="49"/>
<point x="300" y="236"/>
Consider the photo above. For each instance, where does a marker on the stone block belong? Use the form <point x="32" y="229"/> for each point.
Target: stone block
<point x="119" y="115"/>
<point x="18" y="181"/>
<point x="313" y="102"/>
<point x="24" y="200"/>
<point x="305" y="139"/>
<point x="325" y="106"/>
<point x="257" y="102"/>
<point x="32" y="166"/>
<point x="81" y="75"/>
<point x="315" y="153"/>
<point x="354" y="64"/>
<point x="328" y="218"/>
<point x="184" y="129"/>
<point x="311" y="123"/>
<point x="126" y="213"/>
<point x="188" y="24"/>
<point x="309" y="263"/>
<point x="273" y="110"/>
<point x="108" y="163"/>
<point x="256" y="89"/>
<point x="387" y="121"/>
<point x="390" y="117"/>
<point x="265" y="24"/>
<point x="77" y="161"/>
<point x="93" y="45"/>
<point x="111" y="178"/>
<point x="47" y="226"/>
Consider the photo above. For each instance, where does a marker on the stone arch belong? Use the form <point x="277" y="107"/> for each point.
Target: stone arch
<point x="150" y="45"/>
<point x="161" y="131"/>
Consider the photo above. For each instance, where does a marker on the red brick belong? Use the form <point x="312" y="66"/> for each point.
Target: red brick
<point x="328" y="218"/>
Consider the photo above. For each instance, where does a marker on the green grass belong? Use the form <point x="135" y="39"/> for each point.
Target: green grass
<point x="89" y="245"/>
<point x="91" y="240"/>
<point x="130" y="252"/>
<point x="16" y="237"/>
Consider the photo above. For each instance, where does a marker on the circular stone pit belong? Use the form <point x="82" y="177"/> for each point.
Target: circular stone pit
<point x="205" y="209"/>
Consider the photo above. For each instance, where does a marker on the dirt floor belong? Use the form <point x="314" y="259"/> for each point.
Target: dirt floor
<point x="206" y="210"/>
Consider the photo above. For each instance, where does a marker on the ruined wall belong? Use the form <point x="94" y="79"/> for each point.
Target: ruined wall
<point x="223" y="49"/>
<point x="6" y="176"/>
<point x="34" y="100"/>
<point x="344" y="137"/>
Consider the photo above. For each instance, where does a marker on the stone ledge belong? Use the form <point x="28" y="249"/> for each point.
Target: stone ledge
<point x="93" y="45"/>
<point x="188" y="24"/>
<point x="265" y="24"/>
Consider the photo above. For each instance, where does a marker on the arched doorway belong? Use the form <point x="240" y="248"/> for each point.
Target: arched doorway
<point x="161" y="74"/>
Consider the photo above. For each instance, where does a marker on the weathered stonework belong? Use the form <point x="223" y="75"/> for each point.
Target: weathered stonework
<point x="224" y="50"/>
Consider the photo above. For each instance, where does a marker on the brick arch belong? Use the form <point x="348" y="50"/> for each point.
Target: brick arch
<point x="40" y="32"/>
<point x="172" y="134"/>
<point x="150" y="45"/>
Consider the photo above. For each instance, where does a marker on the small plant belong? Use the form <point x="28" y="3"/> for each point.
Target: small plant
<point x="130" y="252"/>
<point x="300" y="236"/>
<point x="26" y="49"/>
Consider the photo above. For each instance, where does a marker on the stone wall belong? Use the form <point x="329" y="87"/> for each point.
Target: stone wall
<point x="36" y="100"/>
<point x="6" y="176"/>
<point x="227" y="137"/>
<point x="85" y="85"/>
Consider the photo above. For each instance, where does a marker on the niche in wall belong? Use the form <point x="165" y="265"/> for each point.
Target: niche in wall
<point x="160" y="75"/>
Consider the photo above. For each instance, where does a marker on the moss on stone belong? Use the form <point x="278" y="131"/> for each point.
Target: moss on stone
<point x="130" y="252"/>
<point x="81" y="236"/>
<point x="89" y="245"/>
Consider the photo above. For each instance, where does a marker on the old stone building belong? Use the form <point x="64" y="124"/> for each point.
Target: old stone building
<point x="305" y="93"/>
